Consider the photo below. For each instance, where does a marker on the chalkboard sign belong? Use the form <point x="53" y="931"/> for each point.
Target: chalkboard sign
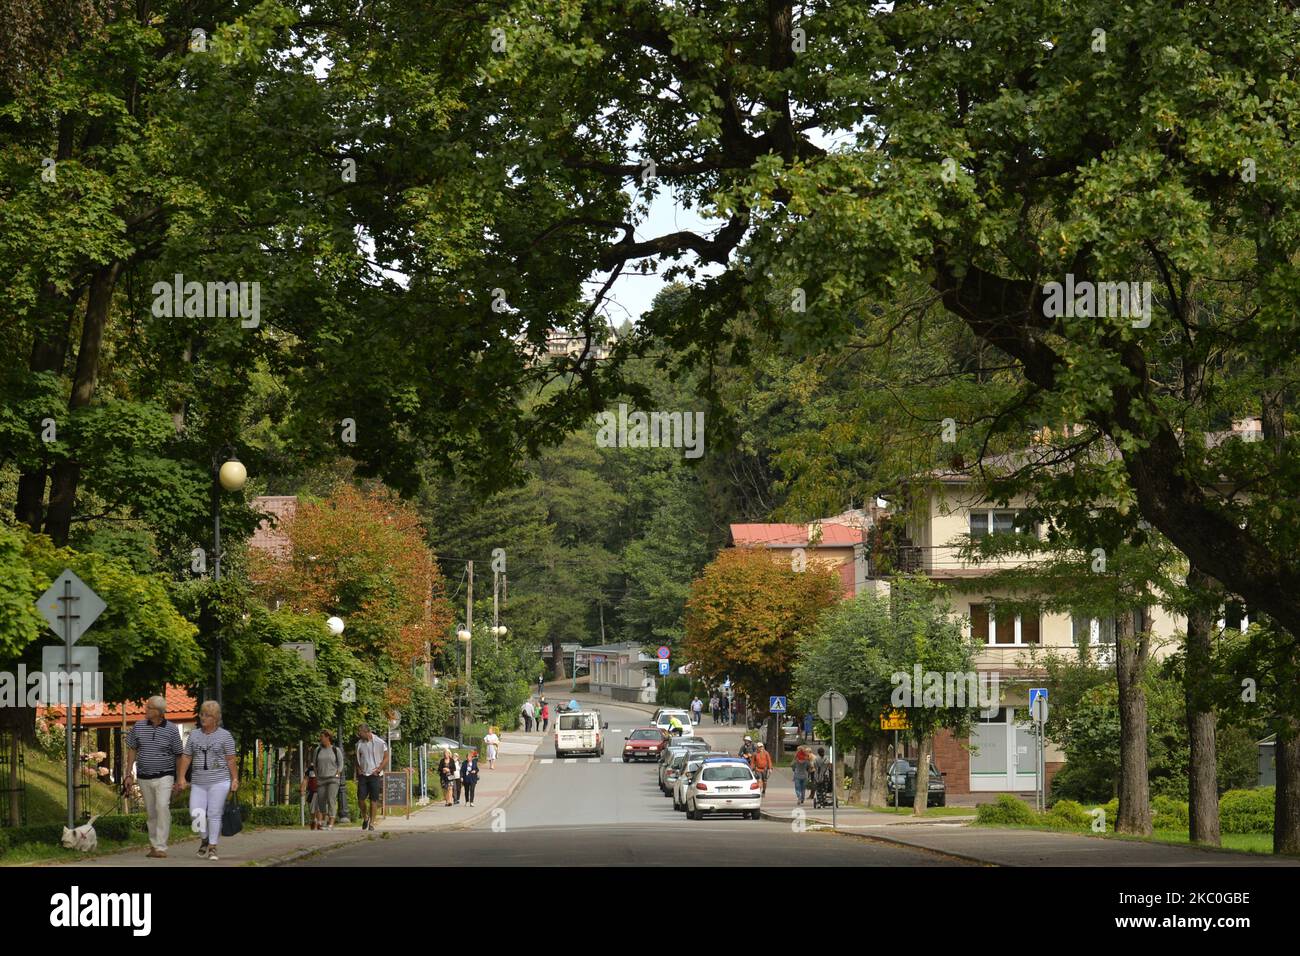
<point x="397" y="790"/>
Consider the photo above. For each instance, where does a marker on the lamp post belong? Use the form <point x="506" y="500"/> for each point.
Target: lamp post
<point x="228" y="475"/>
<point x="336" y="625"/>
<point x="467" y="638"/>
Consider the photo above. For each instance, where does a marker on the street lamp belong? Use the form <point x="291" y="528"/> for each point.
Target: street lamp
<point x="228" y="474"/>
<point x="335" y="625"/>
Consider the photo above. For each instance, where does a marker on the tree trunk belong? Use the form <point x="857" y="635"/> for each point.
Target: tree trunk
<point x="772" y="737"/>
<point x="1198" y="679"/>
<point x="922" y="774"/>
<point x="65" y="475"/>
<point x="1286" y="796"/>
<point x="861" y="755"/>
<point x="878" y="779"/>
<point x="1131" y="647"/>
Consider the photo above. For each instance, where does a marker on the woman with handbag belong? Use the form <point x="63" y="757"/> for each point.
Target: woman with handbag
<point x="209" y="766"/>
<point x="446" y="768"/>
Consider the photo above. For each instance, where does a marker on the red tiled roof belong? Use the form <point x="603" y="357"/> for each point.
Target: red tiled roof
<point x="181" y="707"/>
<point x="793" y="536"/>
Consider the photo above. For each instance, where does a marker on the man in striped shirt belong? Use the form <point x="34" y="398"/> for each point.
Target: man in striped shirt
<point x="152" y="748"/>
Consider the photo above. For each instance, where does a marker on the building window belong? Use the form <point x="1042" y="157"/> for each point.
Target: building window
<point x="1008" y="629"/>
<point x="1098" y="631"/>
<point x="984" y="523"/>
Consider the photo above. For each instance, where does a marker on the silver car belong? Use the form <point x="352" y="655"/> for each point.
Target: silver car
<point x="693" y="763"/>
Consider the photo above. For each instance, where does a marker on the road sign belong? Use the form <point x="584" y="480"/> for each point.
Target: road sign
<point x="895" y="720"/>
<point x="663" y="653"/>
<point x="1035" y="693"/>
<point x="663" y="668"/>
<point x="1038" y="709"/>
<point x="776" y="705"/>
<point x="304" y="649"/>
<point x="598" y="658"/>
<point x="82" y="685"/>
<point x="832" y="705"/>
<point x="84" y="606"/>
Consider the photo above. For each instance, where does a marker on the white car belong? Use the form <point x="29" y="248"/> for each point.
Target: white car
<point x="579" y="732"/>
<point x="663" y="718"/>
<point x="724" y="785"/>
<point x="683" y="780"/>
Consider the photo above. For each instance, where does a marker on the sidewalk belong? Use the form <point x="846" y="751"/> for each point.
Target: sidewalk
<point x="278" y="845"/>
<point x="995" y="846"/>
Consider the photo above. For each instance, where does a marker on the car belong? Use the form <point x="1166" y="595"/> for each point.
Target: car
<point x="674" y="746"/>
<point x="444" y="743"/>
<point x="663" y="717"/>
<point x="902" y="783"/>
<point x="579" y="732"/>
<point x="644" y="743"/>
<point x="724" y="785"/>
<point x="694" y="761"/>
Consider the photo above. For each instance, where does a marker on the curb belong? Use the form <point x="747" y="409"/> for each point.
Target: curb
<point x="461" y="825"/>
<point x="768" y="815"/>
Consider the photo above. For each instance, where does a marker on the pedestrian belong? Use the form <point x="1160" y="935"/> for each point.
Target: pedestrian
<point x="209" y="760"/>
<point x="724" y="707"/>
<point x="469" y="776"/>
<point x="762" y="763"/>
<point x="446" y="767"/>
<point x="328" y="764"/>
<point x="802" y="768"/>
<point x="153" y="747"/>
<point x="372" y="761"/>
<point x="697" y="710"/>
<point x="309" y="789"/>
<point x="456" y="763"/>
<point x="546" y="715"/>
<point x="492" y="741"/>
<point x="747" y="749"/>
<point x="528" y="716"/>
<point x="675" y="726"/>
<point x="713" y="706"/>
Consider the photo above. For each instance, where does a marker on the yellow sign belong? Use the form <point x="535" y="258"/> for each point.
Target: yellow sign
<point x="895" y="720"/>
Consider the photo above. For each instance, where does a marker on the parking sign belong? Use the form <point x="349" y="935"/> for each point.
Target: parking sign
<point x="663" y="668"/>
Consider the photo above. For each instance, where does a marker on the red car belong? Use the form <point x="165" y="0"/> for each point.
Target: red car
<point x="643" y="743"/>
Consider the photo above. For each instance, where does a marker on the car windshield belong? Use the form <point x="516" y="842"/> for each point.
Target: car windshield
<point x="646" y="735"/>
<point x="724" y="772"/>
<point x="578" y="722"/>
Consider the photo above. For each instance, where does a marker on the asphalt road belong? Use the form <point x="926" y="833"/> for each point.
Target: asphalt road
<point x="601" y="812"/>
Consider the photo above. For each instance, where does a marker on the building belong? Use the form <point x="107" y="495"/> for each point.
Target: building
<point x="621" y="671"/>
<point x="837" y="543"/>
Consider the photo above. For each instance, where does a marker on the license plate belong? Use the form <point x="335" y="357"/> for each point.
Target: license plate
<point x="728" y="789"/>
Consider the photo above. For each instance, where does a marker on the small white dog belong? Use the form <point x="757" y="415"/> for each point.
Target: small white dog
<point x="83" y="838"/>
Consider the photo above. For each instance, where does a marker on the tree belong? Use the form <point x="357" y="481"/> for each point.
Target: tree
<point x="862" y="647"/>
<point x="743" y="621"/>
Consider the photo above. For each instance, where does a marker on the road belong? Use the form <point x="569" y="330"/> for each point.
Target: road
<point x="602" y="812"/>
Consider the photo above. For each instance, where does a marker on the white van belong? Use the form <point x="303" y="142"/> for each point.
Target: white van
<point x="579" y="732"/>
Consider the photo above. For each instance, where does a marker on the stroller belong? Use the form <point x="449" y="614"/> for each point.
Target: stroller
<point x="822" y="788"/>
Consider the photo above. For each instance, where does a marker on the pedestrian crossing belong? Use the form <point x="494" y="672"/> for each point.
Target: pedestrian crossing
<point x="584" y="759"/>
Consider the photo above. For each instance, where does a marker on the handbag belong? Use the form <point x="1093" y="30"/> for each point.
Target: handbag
<point x="232" y="820"/>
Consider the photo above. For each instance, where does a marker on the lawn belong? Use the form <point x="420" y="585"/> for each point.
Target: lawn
<point x="1237" y="842"/>
<point x="930" y="812"/>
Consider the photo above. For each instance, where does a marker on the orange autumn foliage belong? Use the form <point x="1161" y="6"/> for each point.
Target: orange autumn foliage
<point x="361" y="554"/>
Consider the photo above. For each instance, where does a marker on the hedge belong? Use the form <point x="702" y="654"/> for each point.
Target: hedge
<point x="1246" y="811"/>
<point x="1007" y="809"/>
<point x="1169" y="814"/>
<point x="1068" y="815"/>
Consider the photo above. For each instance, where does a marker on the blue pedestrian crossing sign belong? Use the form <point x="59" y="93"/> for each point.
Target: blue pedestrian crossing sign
<point x="1035" y="693"/>
<point x="776" y="705"/>
<point x="663" y="667"/>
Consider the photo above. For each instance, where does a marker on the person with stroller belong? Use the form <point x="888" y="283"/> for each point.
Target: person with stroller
<point x="822" y="780"/>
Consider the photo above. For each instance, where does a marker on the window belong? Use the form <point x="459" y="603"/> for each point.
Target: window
<point x="1096" y="630"/>
<point x="577" y="722"/>
<point x="646" y="735"/>
<point x="990" y="628"/>
<point x="984" y="523"/>
<point x="729" y="772"/>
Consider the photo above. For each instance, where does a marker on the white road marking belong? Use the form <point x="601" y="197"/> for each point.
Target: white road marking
<point x="549" y="760"/>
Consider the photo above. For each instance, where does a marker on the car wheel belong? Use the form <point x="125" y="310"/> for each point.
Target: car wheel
<point x="625" y="759"/>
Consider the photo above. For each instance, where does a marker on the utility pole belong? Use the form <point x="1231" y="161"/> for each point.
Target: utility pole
<point x="469" y="626"/>
<point x="496" y="613"/>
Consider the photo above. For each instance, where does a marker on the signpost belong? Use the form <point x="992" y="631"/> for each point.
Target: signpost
<point x="663" y="668"/>
<point x="1038" y="712"/>
<point x="832" y="706"/>
<point x="895" y="720"/>
<point x="776" y="705"/>
<point x="69" y="606"/>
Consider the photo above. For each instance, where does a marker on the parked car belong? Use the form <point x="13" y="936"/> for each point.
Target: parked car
<point x="674" y="746"/>
<point x="694" y="761"/>
<point x="578" y="732"/>
<point x="902" y="780"/>
<point x="439" y="744"/>
<point x="644" y="743"/>
<point x="724" y="785"/>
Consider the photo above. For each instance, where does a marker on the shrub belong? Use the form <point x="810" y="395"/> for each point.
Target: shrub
<point x="1006" y="810"/>
<point x="4" y="841"/>
<point x="1247" y="811"/>
<point x="120" y="826"/>
<point x="1112" y="812"/>
<point x="1168" y="813"/>
<point x="1083" y="781"/>
<point x="1068" y="815"/>
<point x="48" y="833"/>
